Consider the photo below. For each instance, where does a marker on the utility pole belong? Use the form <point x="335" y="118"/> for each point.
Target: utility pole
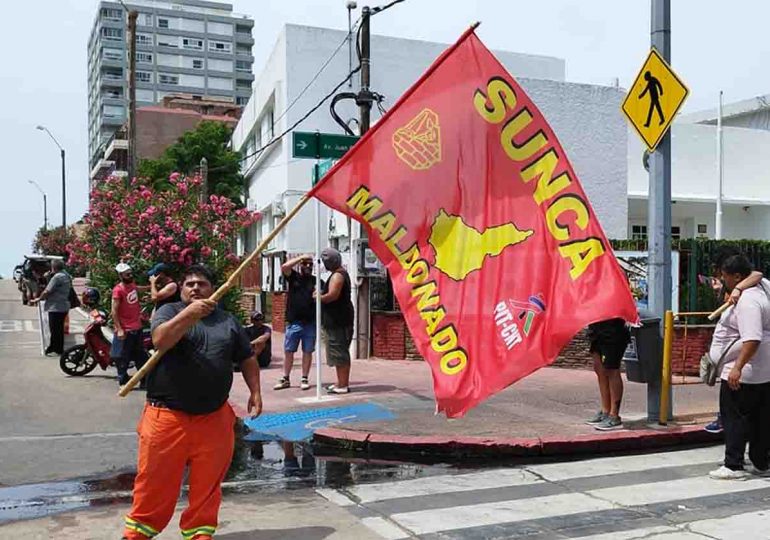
<point x="132" y="16"/>
<point x="63" y="191"/>
<point x="362" y="330"/>
<point x="659" y="225"/>
<point x="351" y="5"/>
<point x="204" y="195"/>
<point x="45" y="203"/>
<point x="720" y="169"/>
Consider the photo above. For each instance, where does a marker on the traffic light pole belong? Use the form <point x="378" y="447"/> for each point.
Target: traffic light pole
<point x="659" y="284"/>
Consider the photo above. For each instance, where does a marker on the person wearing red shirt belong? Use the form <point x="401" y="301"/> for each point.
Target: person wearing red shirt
<point x="127" y="321"/>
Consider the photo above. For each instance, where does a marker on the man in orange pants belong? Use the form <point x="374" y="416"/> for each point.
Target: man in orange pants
<point x="187" y="421"/>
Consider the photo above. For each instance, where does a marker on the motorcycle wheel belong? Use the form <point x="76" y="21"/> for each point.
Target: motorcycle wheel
<point x="77" y="361"/>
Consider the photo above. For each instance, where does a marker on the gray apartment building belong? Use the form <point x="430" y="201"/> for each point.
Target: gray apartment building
<point x="194" y="47"/>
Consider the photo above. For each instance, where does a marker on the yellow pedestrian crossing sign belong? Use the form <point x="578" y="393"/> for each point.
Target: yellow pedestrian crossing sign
<point x="654" y="99"/>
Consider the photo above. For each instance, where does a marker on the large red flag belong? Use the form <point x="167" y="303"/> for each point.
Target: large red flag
<point x="496" y="256"/>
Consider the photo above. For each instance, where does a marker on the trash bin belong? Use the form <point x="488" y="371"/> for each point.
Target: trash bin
<point x="644" y="356"/>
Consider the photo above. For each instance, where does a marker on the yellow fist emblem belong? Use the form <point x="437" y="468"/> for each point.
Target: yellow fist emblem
<point x="418" y="144"/>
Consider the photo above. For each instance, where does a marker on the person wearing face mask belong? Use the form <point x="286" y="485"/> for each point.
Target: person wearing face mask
<point x="337" y="319"/>
<point x="127" y="322"/>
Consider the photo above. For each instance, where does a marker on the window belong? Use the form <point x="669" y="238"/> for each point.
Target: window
<point x="113" y="74"/>
<point x="164" y="78"/>
<point x="220" y="46"/>
<point x="242" y="50"/>
<point x="638" y="232"/>
<point x="243" y="65"/>
<point x="194" y="44"/>
<point x="676" y="233"/>
<point x="242" y="84"/>
<point x="191" y="25"/>
<point x="243" y="30"/>
<point x="144" y="39"/>
<point x="197" y="63"/>
<point x="197" y="81"/>
<point x="271" y="122"/>
<point x="112" y="54"/>
<point x="143" y="76"/>
<point x="112" y="34"/>
<point x="144" y="19"/>
<point x="144" y="57"/>
<point x="148" y="96"/>
<point x="216" y="64"/>
<point x="113" y="92"/>
<point x="168" y="41"/>
<point x="241" y="100"/>
<point x="703" y="228"/>
<point x="220" y="83"/>
<point x="162" y="23"/>
<point x="111" y="14"/>
<point x="223" y="29"/>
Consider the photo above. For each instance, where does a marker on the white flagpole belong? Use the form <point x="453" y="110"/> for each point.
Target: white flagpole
<point x="317" y="208"/>
<point x="720" y="170"/>
<point x="42" y="328"/>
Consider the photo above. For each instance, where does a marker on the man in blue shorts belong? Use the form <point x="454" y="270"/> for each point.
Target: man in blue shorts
<point x="300" y="318"/>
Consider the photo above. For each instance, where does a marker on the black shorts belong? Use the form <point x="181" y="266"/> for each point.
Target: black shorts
<point x="610" y="348"/>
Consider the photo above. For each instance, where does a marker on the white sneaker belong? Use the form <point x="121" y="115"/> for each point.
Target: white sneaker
<point x="723" y="473"/>
<point x="304" y="384"/>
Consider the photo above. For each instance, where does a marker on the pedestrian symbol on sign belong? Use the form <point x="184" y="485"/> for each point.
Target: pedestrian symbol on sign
<point x="653" y="99"/>
<point x="654" y="90"/>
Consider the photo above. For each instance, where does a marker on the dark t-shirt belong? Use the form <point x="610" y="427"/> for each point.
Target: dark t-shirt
<point x="256" y="330"/>
<point x="300" y="307"/>
<point x="339" y="313"/>
<point x="611" y="331"/>
<point x="195" y="376"/>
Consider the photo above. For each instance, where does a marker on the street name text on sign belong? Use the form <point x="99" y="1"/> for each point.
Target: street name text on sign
<point x="321" y="168"/>
<point x="320" y="145"/>
<point x="653" y="100"/>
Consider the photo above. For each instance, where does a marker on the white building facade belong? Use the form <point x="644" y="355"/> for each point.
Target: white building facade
<point x="586" y="120"/>
<point x="694" y="175"/>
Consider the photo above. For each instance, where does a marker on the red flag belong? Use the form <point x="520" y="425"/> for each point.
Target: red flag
<point x="496" y="256"/>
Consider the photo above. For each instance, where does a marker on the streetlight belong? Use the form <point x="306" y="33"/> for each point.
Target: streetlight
<point x="63" y="178"/>
<point x="45" y="204"/>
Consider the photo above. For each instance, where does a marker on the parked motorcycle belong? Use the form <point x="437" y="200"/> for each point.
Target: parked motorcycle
<point x="82" y="359"/>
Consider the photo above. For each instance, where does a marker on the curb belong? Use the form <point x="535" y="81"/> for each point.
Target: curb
<point x="376" y="445"/>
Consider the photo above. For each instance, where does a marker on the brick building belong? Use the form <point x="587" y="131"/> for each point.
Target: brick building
<point x="160" y="126"/>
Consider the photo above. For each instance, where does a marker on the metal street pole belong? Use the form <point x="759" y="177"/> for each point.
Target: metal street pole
<point x="659" y="225"/>
<point x="45" y="203"/>
<point x="720" y="170"/>
<point x="63" y="177"/>
<point x="317" y="218"/>
<point x="351" y="5"/>
<point x="132" y="16"/>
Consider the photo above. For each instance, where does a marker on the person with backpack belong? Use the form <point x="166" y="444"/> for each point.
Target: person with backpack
<point x="742" y="340"/>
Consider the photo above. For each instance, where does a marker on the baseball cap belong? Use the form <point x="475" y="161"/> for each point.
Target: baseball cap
<point x="158" y="268"/>
<point x="256" y="315"/>
<point x="122" y="267"/>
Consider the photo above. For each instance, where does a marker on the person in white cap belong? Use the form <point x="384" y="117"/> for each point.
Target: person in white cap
<point x="127" y="321"/>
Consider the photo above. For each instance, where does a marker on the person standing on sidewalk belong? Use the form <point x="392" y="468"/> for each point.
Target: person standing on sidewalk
<point x="337" y="319"/>
<point x="743" y="334"/>
<point x="127" y="321"/>
<point x="187" y="422"/>
<point x="609" y="340"/>
<point x="56" y="296"/>
<point x="300" y="319"/>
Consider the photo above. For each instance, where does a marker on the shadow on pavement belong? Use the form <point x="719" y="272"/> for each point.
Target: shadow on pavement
<point x="300" y="533"/>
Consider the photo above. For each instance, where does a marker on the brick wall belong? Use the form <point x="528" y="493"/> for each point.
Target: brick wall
<point x="575" y="354"/>
<point x="158" y="128"/>
<point x="248" y="302"/>
<point x="278" y="321"/>
<point x="686" y="353"/>
<point x="388" y="335"/>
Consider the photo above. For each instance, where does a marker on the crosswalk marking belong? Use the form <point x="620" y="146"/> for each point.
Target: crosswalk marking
<point x="461" y="517"/>
<point x="443" y="484"/>
<point x="614" y="498"/>
<point x="687" y="488"/>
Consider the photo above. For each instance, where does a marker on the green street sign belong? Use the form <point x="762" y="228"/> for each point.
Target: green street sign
<point x="321" y="168"/>
<point x="320" y="145"/>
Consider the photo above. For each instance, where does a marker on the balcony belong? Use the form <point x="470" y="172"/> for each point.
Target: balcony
<point x="117" y="149"/>
<point x="101" y="170"/>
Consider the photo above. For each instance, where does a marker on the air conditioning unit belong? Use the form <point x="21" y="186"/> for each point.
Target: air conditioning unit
<point x="277" y="209"/>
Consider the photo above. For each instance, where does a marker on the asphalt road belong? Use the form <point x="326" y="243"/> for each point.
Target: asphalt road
<point x="53" y="426"/>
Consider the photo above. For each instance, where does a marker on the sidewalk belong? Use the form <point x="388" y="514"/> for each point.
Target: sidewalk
<point x="543" y="414"/>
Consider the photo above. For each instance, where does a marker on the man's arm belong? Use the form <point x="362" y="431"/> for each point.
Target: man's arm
<point x="250" y="373"/>
<point x="289" y="265"/>
<point x="52" y="283"/>
<point x="168" y="333"/>
<point x="166" y="292"/>
<point x="335" y="288"/>
<point x="752" y="281"/>
<point x="263" y="338"/>
<point x="115" y="318"/>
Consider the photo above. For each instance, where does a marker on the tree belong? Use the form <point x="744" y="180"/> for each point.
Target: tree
<point x="142" y="226"/>
<point x="52" y="241"/>
<point x="210" y="140"/>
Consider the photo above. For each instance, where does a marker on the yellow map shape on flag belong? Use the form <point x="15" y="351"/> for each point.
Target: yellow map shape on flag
<point x="461" y="249"/>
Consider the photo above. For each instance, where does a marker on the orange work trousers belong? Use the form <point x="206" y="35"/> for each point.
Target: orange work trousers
<point x="168" y="442"/>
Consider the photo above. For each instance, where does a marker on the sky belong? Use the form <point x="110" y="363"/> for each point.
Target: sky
<point x="43" y="69"/>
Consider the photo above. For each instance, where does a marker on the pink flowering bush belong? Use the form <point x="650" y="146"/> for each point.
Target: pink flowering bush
<point x="142" y="226"/>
